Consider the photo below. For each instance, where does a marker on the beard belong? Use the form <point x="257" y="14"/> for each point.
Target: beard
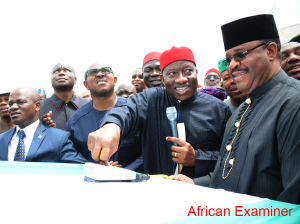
<point x="64" y="87"/>
<point x="102" y="93"/>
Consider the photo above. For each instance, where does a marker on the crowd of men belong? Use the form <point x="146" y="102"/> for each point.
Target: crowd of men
<point x="248" y="144"/>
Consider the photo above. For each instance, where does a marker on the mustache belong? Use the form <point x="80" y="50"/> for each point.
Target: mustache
<point x="239" y="70"/>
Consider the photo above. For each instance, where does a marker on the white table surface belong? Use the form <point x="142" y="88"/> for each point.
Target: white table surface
<point x="68" y="199"/>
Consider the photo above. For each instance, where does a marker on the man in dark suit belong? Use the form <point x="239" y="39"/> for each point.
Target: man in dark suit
<point x="31" y="140"/>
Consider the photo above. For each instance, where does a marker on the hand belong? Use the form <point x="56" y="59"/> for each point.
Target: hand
<point x="46" y="119"/>
<point x="185" y="153"/>
<point x="104" y="142"/>
<point x="116" y="163"/>
<point x="182" y="178"/>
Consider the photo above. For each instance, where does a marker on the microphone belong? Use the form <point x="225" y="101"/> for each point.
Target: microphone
<point x="172" y="116"/>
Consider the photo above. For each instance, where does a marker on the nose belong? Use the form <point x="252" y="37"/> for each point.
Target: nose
<point x="14" y="106"/>
<point x="3" y="103"/>
<point x="233" y="65"/>
<point x="137" y="78"/>
<point x="61" y="72"/>
<point x="181" y="78"/>
<point x="232" y="82"/>
<point x="155" y="73"/>
<point x="293" y="57"/>
<point x="99" y="74"/>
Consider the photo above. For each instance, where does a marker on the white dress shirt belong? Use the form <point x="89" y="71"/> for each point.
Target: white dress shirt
<point x="29" y="133"/>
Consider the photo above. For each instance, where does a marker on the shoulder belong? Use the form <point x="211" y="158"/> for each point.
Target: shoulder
<point x="209" y="99"/>
<point x="82" y="101"/>
<point x="45" y="101"/>
<point x="58" y="133"/>
<point x="7" y="133"/>
<point x="82" y="111"/>
<point x="154" y="93"/>
<point x="293" y="83"/>
<point x="121" y="101"/>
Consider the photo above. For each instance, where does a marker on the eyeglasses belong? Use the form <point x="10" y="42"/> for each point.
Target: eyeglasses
<point x="139" y="76"/>
<point x="212" y="77"/>
<point x="104" y="70"/>
<point x="242" y="55"/>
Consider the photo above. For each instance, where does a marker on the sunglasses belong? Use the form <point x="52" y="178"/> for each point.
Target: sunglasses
<point x="139" y="76"/>
<point x="212" y="77"/>
<point x="104" y="71"/>
<point x="242" y="55"/>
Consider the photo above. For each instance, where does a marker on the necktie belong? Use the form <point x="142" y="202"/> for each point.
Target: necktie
<point x="20" y="152"/>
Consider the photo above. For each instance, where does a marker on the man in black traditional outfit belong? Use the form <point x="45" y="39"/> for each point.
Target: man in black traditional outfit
<point x="261" y="148"/>
<point x="204" y="117"/>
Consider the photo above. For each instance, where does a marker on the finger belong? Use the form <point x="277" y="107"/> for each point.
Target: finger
<point x="50" y="113"/>
<point x="119" y="166"/>
<point x="95" y="153"/>
<point x="114" y="163"/>
<point x="91" y="142"/>
<point x="176" y="160"/>
<point x="108" y="150"/>
<point x="175" y="148"/>
<point x="176" y="140"/>
<point x="106" y="163"/>
<point x="176" y="177"/>
<point x="175" y="154"/>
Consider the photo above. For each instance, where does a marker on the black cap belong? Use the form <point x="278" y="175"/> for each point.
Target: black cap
<point x="295" y="39"/>
<point x="249" y="29"/>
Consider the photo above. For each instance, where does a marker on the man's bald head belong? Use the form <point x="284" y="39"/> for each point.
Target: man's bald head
<point x="63" y="65"/>
<point x="126" y="90"/>
<point x="24" y="105"/>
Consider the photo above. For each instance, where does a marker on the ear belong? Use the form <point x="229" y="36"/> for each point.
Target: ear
<point x="86" y="85"/>
<point x="162" y="78"/>
<point x="115" y="80"/>
<point x="272" y="51"/>
<point x="37" y="106"/>
<point x="75" y="81"/>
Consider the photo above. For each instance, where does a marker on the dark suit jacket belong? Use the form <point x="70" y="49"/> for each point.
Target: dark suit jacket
<point x="48" y="145"/>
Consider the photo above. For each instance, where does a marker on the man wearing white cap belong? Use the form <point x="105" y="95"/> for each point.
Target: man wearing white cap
<point x="5" y="121"/>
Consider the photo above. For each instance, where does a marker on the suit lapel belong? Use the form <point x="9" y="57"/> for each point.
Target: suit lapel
<point x="37" y="140"/>
<point x="4" y="144"/>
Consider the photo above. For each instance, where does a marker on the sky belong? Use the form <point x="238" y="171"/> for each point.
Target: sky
<point x="35" y="35"/>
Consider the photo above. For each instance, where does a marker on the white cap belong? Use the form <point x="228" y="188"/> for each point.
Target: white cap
<point x="4" y="90"/>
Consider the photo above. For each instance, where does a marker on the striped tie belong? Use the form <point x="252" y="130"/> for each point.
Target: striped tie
<point x="20" y="152"/>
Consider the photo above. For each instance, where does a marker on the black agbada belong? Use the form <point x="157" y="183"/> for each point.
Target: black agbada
<point x="204" y="117"/>
<point x="267" y="147"/>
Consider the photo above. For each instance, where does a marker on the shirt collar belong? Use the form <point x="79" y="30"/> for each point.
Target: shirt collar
<point x="264" y="88"/>
<point x="29" y="130"/>
<point x="185" y="101"/>
<point x="57" y="102"/>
